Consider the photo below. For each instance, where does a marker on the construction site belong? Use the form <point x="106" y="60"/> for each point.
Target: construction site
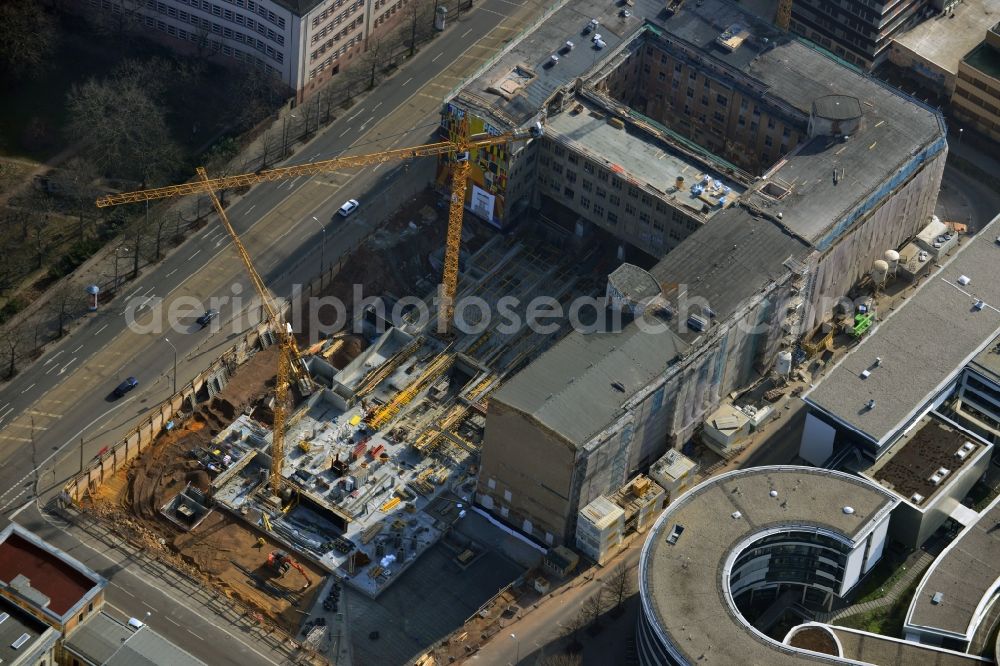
<point x="381" y="442"/>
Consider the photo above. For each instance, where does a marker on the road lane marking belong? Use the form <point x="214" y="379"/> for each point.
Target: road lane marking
<point x="194" y="255"/>
<point x="171" y="273"/>
<point x="98" y="331"/>
<point x="250" y="209"/>
<point x="356" y="114"/>
<point x="345" y="132"/>
<point x="123" y="590"/>
<point x="63" y="369"/>
<point x="51" y="358"/>
<point x="7" y="410"/>
<point x="46" y="414"/>
<point x="133" y="294"/>
<point x="27" y="389"/>
<point x="148" y="291"/>
<point x="77" y="349"/>
<point x="406" y="81"/>
<point x="434" y="59"/>
<point x="195" y="635"/>
<point x="167" y="618"/>
<point x="148" y="606"/>
<point x="373" y="109"/>
<point x="466" y="33"/>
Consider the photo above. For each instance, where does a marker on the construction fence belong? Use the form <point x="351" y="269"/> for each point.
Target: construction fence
<point x="138" y="439"/>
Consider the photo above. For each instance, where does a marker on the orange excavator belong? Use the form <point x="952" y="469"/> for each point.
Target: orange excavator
<point x="281" y="562"/>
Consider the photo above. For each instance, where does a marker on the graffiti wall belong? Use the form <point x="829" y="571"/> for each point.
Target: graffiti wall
<point x="487" y="186"/>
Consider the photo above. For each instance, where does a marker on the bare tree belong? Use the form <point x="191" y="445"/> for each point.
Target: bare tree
<point x="256" y="92"/>
<point x="123" y="130"/>
<point x="563" y="660"/>
<point x="371" y="59"/>
<point x="594" y="607"/>
<point x="39" y="239"/>
<point x="29" y="37"/>
<point x="12" y="342"/>
<point x="75" y="183"/>
<point x="120" y="26"/>
<point x="419" y="23"/>
<point x="65" y="304"/>
<point x="619" y="584"/>
<point x="571" y="630"/>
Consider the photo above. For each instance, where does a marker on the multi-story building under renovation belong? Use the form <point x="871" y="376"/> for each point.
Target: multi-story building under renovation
<point x="748" y="179"/>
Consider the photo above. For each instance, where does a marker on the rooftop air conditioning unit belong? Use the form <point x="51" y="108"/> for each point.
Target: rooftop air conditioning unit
<point x="697" y="323"/>
<point x="916" y="498"/>
<point x="964" y="452"/>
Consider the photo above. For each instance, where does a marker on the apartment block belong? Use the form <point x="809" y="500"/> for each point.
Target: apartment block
<point x="302" y="42"/>
<point x="859" y="31"/>
<point x="977" y="91"/>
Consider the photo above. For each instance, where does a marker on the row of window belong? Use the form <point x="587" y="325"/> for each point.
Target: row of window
<point x="218" y="29"/>
<point x="979" y="83"/>
<point x="326" y="13"/>
<point x="340" y="18"/>
<point x="217" y="46"/>
<point x="389" y="12"/>
<point x="978" y="101"/>
<point x="336" y="38"/>
<point x="255" y="7"/>
<point x="334" y="56"/>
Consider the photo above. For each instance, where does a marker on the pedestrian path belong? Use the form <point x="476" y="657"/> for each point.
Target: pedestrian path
<point x="915" y="568"/>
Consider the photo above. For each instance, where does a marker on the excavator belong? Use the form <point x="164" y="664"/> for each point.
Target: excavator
<point x="281" y="562"/>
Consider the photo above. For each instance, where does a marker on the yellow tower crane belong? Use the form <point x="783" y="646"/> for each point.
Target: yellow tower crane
<point x="458" y="153"/>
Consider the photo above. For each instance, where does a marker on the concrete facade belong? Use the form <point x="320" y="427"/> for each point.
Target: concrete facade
<point x="977" y="91"/>
<point x="859" y="32"/>
<point x="819" y="187"/>
<point x="302" y="42"/>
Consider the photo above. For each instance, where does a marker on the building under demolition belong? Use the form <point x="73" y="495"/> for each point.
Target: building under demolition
<point x="749" y="179"/>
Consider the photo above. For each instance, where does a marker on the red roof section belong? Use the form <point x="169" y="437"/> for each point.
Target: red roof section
<point x="61" y="583"/>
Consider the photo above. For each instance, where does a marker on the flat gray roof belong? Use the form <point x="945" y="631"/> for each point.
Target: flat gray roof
<point x="580" y="385"/>
<point x="18" y="623"/>
<point x="966" y="573"/>
<point x="875" y="649"/>
<point x="643" y="158"/>
<point x="533" y="51"/>
<point x="944" y="40"/>
<point x="98" y="638"/>
<point x="682" y="583"/>
<point x="987" y="362"/>
<point x="923" y="345"/>
<point x="731" y="258"/>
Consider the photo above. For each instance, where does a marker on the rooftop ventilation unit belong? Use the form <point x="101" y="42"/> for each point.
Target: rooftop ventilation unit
<point x="675" y="534"/>
<point x="865" y="374"/>
<point x="736" y="515"/>
<point x="937" y="598"/>
<point x="848" y="510"/>
<point x="3" y="617"/>
<point x="938" y="476"/>
<point x="964" y="452"/>
<point x="21" y="640"/>
<point x="916" y="498"/>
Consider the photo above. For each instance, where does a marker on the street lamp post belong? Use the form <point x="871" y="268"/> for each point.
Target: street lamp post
<point x="960" y="130"/>
<point x="517" y="649"/>
<point x="167" y="340"/>
<point x="322" y="247"/>
<point x="120" y="247"/>
<point x="284" y="134"/>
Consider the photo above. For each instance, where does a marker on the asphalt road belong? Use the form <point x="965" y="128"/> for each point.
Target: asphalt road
<point x="59" y="413"/>
<point x="45" y="411"/>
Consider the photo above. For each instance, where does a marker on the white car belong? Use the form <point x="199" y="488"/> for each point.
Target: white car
<point x="136" y="623"/>
<point x="349" y="207"/>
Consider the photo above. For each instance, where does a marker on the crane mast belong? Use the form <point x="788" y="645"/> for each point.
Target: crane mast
<point x="290" y="363"/>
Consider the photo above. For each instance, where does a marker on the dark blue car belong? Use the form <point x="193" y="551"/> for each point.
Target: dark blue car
<point x="126" y="386"/>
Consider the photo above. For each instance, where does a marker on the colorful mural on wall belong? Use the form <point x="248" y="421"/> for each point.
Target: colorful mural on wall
<point x="485" y="195"/>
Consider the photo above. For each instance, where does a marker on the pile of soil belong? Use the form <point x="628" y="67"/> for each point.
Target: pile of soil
<point x="815" y="639"/>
